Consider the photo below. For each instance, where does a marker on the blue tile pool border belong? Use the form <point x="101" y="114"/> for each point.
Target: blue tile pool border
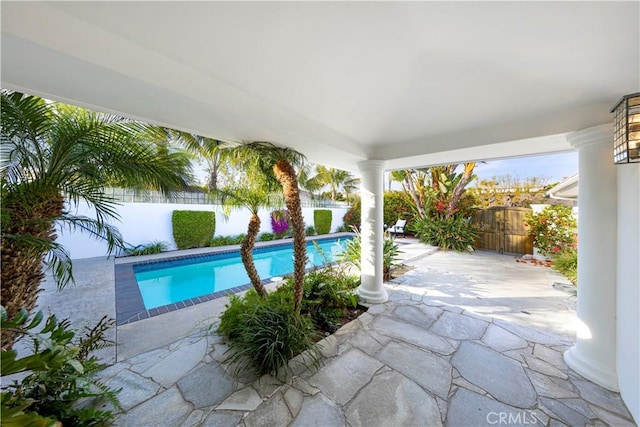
<point x="129" y="305"/>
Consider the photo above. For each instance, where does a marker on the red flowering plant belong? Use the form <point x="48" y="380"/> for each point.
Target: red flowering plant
<point x="280" y="223"/>
<point x="552" y="230"/>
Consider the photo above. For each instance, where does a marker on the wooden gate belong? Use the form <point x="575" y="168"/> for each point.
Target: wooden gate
<point x="502" y="230"/>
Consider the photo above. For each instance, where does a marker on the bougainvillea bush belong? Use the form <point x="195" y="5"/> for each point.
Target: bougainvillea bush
<point x="280" y="223"/>
<point x="552" y="230"/>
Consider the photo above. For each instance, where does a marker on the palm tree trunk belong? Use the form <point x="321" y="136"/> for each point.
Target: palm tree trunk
<point x="286" y="176"/>
<point x="247" y="256"/>
<point x="22" y="263"/>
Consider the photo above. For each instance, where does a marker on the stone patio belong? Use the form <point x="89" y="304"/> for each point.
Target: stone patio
<point x="403" y="363"/>
<point x="430" y="356"/>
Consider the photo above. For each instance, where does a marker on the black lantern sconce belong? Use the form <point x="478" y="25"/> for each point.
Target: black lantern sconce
<point x="626" y="130"/>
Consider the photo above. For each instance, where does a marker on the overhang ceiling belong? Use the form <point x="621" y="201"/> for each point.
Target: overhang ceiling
<point x="413" y="83"/>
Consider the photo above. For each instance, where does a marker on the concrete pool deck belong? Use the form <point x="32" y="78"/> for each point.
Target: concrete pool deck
<point x="464" y="337"/>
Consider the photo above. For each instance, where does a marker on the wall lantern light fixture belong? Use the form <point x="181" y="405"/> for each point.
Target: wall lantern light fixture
<point x="626" y="130"/>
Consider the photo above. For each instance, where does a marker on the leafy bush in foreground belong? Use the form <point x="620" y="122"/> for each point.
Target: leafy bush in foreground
<point x="61" y="373"/>
<point x="455" y="232"/>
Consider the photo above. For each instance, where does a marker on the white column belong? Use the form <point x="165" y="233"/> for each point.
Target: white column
<point x="371" y="289"/>
<point x="628" y="289"/>
<point x="594" y="355"/>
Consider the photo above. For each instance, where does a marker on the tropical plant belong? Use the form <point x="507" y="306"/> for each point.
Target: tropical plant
<point x="252" y="199"/>
<point x="439" y="185"/>
<point x="551" y="230"/>
<point x="566" y="262"/>
<point x="390" y="253"/>
<point x="59" y="373"/>
<point x="447" y="232"/>
<point x="310" y="231"/>
<point x="266" y="237"/>
<point x="280" y="161"/>
<point x="54" y="156"/>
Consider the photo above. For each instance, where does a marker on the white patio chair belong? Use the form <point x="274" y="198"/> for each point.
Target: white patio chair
<point x="398" y="228"/>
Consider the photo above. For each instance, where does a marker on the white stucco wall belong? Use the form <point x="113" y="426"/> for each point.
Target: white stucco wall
<point x="142" y="223"/>
<point x="628" y="286"/>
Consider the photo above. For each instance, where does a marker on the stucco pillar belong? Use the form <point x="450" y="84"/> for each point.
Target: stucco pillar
<point x="594" y="355"/>
<point x="371" y="289"/>
<point x="628" y="289"/>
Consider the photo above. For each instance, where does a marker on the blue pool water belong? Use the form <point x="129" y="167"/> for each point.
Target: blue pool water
<point x="172" y="281"/>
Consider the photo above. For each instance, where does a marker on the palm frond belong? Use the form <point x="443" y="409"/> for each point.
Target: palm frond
<point x="98" y="229"/>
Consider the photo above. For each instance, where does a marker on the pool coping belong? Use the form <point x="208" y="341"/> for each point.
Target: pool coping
<point x="129" y="305"/>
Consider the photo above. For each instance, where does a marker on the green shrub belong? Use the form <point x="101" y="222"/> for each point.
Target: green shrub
<point x="60" y="373"/>
<point x="455" y="232"/>
<point x="310" y="231"/>
<point x="342" y="229"/>
<point x="397" y="205"/>
<point x="566" y="262"/>
<point x="322" y="220"/>
<point x="193" y="229"/>
<point x="266" y="237"/>
<point x="551" y="230"/>
<point x="146" y="249"/>
<point x="221" y="241"/>
<point x="351" y="254"/>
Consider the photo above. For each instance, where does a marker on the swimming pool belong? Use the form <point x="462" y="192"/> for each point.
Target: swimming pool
<point x="150" y="288"/>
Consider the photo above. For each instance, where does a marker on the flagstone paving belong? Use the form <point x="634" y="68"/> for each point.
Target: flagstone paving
<point x="380" y="371"/>
<point x="430" y="356"/>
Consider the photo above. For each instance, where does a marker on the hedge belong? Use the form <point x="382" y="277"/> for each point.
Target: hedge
<point x="193" y="229"/>
<point x="322" y="220"/>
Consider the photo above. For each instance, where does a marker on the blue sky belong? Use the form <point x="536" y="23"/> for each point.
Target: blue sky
<point x="553" y="167"/>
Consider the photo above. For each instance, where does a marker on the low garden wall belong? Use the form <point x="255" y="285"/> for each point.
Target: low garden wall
<point x="142" y="223"/>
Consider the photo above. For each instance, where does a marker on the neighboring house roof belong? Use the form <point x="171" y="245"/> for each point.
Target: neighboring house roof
<point x="565" y="190"/>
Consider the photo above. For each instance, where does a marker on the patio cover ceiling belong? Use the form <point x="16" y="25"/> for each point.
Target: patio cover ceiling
<point x="413" y="83"/>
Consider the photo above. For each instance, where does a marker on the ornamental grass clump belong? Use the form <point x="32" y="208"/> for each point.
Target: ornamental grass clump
<point x="552" y="230"/>
<point x="266" y="333"/>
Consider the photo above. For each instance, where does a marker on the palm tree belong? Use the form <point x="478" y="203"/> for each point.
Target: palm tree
<point x="213" y="151"/>
<point x="279" y="162"/>
<point x="54" y="155"/>
<point x="334" y="178"/>
<point x="252" y="199"/>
